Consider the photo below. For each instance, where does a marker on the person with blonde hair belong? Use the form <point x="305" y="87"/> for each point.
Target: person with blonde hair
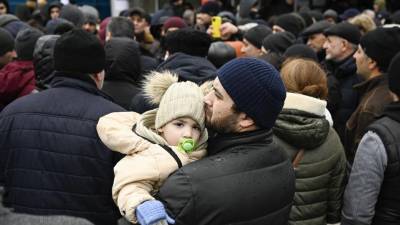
<point x="364" y="23"/>
<point x="312" y="144"/>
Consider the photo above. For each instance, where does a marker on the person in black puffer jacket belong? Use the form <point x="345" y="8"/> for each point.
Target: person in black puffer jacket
<point x="51" y="159"/>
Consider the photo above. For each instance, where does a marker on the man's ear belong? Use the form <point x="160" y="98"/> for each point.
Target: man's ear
<point x="245" y="122"/>
<point x="372" y="64"/>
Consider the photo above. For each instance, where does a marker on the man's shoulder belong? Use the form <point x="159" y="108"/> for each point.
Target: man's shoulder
<point x="57" y="101"/>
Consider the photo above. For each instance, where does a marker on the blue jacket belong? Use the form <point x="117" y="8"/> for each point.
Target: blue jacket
<point x="51" y="159"/>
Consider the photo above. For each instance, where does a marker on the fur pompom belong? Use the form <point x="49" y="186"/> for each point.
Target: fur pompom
<point x="157" y="83"/>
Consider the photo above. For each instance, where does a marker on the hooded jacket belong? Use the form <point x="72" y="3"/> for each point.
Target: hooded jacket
<point x="189" y="68"/>
<point x="17" y="79"/>
<point x="147" y="164"/>
<point x="320" y="173"/>
<point x="123" y="70"/>
<point x="43" y="61"/>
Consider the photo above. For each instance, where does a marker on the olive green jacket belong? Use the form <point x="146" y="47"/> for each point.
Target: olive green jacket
<point x="320" y="173"/>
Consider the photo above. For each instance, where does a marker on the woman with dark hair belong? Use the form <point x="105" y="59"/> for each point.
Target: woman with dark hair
<point x="313" y="146"/>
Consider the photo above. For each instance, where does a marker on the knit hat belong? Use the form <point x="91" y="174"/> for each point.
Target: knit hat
<point x="6" y="42"/>
<point x="346" y="31"/>
<point x="291" y="22"/>
<point x="255" y="87"/>
<point x="256" y="34"/>
<point x="91" y="15"/>
<point x="25" y="43"/>
<point x="174" y="22"/>
<point x="316" y="28"/>
<point x="330" y="13"/>
<point x="278" y="42"/>
<point x="79" y="51"/>
<point x="53" y="24"/>
<point x="72" y="14"/>
<point x="227" y="16"/>
<point x="394" y="74"/>
<point x="175" y="99"/>
<point x="211" y="8"/>
<point x="349" y="13"/>
<point x="220" y="53"/>
<point x="301" y="51"/>
<point x="381" y="45"/>
<point x="189" y="41"/>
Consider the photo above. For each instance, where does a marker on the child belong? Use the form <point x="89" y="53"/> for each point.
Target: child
<point x="180" y="116"/>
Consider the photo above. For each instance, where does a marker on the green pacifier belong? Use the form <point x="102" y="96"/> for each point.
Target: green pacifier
<point x="186" y="145"/>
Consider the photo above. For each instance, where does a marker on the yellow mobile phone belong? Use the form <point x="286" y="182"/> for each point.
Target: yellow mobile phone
<point x="216" y="26"/>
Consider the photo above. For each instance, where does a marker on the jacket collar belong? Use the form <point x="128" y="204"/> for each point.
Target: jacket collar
<point x="393" y="111"/>
<point x="305" y="103"/>
<point x="370" y="84"/>
<point x="222" y="142"/>
<point x="344" y="68"/>
<point x="84" y="82"/>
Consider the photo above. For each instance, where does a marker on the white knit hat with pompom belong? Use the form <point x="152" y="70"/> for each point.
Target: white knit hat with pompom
<point x="175" y="99"/>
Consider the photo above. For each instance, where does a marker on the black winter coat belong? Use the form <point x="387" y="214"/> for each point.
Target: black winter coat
<point x="246" y="179"/>
<point x="51" y="159"/>
<point x="342" y="98"/>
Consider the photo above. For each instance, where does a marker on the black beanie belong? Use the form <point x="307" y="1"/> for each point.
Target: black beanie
<point x="291" y="22"/>
<point x="256" y="34"/>
<point x="25" y="43"/>
<point x="278" y="42"/>
<point x="6" y="42"/>
<point x="188" y="41"/>
<point x="381" y="45"/>
<point x="220" y="53"/>
<point x="346" y="31"/>
<point x="79" y="51"/>
<point x="211" y="8"/>
<point x="394" y="75"/>
<point x="301" y="51"/>
<point x="72" y="14"/>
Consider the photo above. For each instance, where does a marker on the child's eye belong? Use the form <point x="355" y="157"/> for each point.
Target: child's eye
<point x="196" y="128"/>
<point x="178" y="124"/>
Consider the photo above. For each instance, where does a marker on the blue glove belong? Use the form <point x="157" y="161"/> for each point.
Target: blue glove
<point x="150" y="212"/>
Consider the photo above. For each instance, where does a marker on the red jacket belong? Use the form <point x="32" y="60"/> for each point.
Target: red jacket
<point x="17" y="79"/>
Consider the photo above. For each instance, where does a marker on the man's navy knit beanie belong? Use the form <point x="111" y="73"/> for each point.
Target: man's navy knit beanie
<point x="255" y="87"/>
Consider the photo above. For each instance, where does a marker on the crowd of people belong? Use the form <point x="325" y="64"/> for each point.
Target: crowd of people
<point x="285" y="112"/>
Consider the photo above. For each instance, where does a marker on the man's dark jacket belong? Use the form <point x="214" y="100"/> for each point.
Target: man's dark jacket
<point x="189" y="68"/>
<point x="51" y="159"/>
<point x="246" y="179"/>
<point x="342" y="98"/>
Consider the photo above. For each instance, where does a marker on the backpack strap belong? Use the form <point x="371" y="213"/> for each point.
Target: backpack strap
<point x="173" y="154"/>
<point x="297" y="158"/>
<point x="167" y="148"/>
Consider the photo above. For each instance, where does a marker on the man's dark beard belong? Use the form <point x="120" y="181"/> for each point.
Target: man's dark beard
<point x="225" y="125"/>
